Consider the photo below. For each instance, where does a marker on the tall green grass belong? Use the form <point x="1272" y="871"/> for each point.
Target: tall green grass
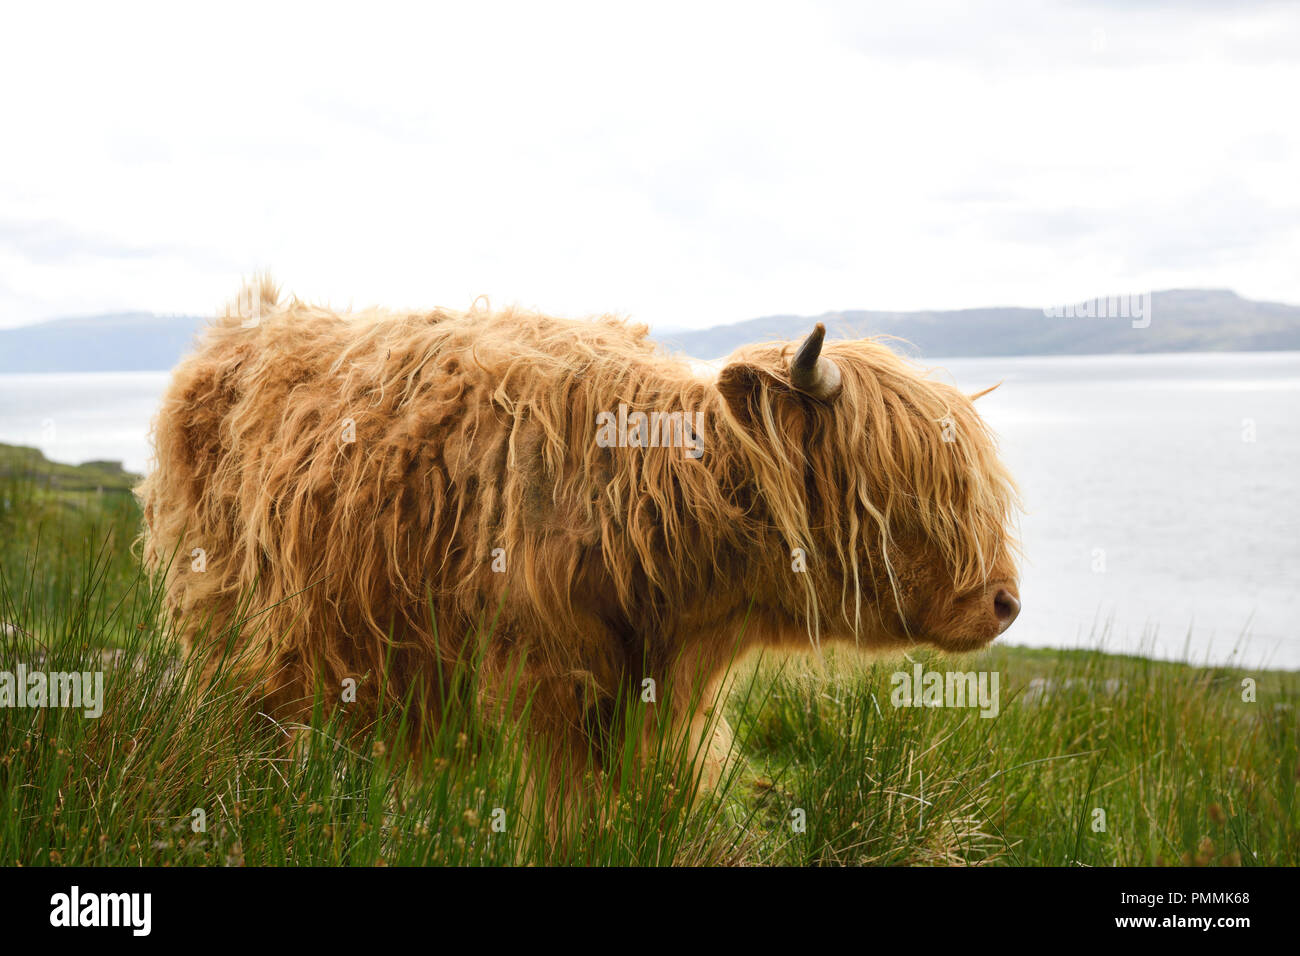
<point x="825" y="770"/>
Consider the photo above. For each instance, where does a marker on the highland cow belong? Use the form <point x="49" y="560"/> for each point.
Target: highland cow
<point x="378" y="488"/>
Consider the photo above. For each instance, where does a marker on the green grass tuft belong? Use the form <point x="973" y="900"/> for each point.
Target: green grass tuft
<point x="826" y="771"/>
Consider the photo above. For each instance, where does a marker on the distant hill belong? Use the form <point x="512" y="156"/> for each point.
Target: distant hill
<point x="1182" y="320"/>
<point x="30" y="464"/>
<point x="119" y="342"/>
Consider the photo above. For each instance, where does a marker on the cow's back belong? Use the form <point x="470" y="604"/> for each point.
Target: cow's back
<point x="359" y="494"/>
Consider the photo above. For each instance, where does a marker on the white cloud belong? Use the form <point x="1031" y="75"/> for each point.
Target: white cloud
<point x="687" y="165"/>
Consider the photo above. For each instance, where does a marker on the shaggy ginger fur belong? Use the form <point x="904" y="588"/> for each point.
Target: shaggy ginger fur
<point x="476" y="431"/>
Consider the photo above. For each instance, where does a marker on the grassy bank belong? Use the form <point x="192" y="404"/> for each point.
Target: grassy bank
<point x="1092" y="759"/>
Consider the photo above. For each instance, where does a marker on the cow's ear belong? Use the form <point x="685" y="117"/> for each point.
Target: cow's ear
<point x="746" y="388"/>
<point x="741" y="386"/>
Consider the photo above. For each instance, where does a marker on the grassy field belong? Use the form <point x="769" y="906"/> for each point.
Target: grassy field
<point x="1091" y="760"/>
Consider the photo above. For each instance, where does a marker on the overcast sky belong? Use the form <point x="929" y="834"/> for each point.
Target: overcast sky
<point x="685" y="165"/>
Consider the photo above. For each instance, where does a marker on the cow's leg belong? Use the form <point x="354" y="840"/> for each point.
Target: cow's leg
<point x="709" y="743"/>
<point x="698" y="733"/>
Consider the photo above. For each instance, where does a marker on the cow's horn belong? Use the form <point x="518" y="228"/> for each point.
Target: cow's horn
<point x="809" y="372"/>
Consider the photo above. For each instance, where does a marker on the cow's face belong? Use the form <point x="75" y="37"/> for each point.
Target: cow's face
<point x="922" y="603"/>
<point x="897" y="485"/>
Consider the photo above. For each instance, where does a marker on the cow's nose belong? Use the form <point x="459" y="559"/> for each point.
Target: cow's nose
<point x="1006" y="606"/>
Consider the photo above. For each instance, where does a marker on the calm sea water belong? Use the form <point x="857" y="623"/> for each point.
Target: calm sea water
<point x="1162" y="515"/>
